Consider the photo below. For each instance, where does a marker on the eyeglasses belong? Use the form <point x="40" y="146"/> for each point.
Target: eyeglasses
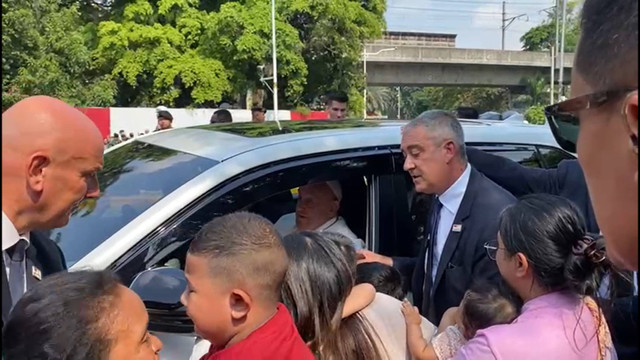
<point x="564" y="121"/>
<point x="492" y="249"/>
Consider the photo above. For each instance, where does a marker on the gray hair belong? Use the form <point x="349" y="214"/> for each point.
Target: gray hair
<point x="446" y="127"/>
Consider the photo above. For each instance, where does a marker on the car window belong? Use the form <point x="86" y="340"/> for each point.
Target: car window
<point x="552" y="156"/>
<point x="523" y="154"/>
<point x="267" y="192"/>
<point x="134" y="177"/>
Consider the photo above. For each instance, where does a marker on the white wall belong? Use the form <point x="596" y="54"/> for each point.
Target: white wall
<point x="138" y="120"/>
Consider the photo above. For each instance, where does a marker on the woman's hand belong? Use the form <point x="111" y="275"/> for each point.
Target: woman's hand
<point x="411" y="313"/>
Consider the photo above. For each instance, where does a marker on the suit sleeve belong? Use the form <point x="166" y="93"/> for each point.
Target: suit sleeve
<point x="515" y="178"/>
<point x="405" y="265"/>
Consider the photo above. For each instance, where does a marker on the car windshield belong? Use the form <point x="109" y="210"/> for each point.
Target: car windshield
<point x="134" y="177"/>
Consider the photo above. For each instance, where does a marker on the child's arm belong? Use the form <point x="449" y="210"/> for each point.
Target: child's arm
<point x="359" y="298"/>
<point x="449" y="318"/>
<point x="419" y="347"/>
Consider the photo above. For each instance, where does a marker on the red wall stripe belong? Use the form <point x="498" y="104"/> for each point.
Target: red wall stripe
<point x="101" y="117"/>
<point x="313" y="115"/>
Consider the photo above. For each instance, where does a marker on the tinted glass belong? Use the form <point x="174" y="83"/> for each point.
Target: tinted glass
<point x="552" y="157"/>
<point x="134" y="178"/>
<point x="270" y="128"/>
<point x="523" y="154"/>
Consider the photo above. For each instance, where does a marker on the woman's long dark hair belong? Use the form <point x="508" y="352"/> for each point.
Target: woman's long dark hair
<point x="550" y="232"/>
<point x="317" y="283"/>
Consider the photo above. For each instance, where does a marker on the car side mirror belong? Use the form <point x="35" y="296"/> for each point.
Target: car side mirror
<point x="160" y="290"/>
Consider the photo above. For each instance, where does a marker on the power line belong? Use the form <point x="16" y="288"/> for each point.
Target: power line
<point x="452" y="11"/>
<point x="488" y="3"/>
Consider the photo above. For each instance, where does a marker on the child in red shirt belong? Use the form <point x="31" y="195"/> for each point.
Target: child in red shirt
<point x="235" y="268"/>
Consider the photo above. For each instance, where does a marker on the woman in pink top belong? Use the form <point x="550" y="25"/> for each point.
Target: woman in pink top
<point x="546" y="257"/>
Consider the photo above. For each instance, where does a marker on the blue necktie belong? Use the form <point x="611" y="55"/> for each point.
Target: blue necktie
<point x="431" y="244"/>
<point x="17" y="269"/>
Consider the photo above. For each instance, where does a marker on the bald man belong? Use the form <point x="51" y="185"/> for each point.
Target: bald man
<point x="51" y="153"/>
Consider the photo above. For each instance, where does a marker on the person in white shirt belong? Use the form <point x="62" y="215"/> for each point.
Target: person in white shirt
<point x="317" y="210"/>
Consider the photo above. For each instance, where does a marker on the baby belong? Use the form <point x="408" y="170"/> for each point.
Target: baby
<point x="481" y="307"/>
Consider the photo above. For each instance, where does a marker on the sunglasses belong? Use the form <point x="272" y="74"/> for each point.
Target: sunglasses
<point x="563" y="117"/>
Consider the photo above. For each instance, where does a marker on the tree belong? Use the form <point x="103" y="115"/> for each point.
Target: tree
<point x="538" y="89"/>
<point x="449" y="98"/>
<point x="240" y="36"/>
<point x="333" y="33"/>
<point x="542" y="37"/>
<point x="46" y="51"/>
<point x="381" y="100"/>
<point x="154" y="55"/>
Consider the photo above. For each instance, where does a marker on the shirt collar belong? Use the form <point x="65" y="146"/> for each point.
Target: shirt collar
<point x="452" y="197"/>
<point x="10" y="235"/>
<point x="328" y="224"/>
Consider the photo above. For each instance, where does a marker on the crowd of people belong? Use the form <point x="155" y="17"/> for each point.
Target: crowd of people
<point x="515" y="263"/>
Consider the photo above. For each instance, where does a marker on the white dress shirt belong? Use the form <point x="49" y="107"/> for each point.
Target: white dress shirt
<point x="286" y="225"/>
<point x="450" y="200"/>
<point x="10" y="237"/>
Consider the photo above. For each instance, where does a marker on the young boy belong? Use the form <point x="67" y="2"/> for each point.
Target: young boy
<point x="235" y="268"/>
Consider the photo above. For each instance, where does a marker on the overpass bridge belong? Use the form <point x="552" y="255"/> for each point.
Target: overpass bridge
<point x="410" y="65"/>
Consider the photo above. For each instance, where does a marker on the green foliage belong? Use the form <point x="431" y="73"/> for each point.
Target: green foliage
<point x="154" y="52"/>
<point x="449" y="98"/>
<point x="542" y="37"/>
<point x="184" y="53"/>
<point x="46" y="52"/>
<point x="535" y="115"/>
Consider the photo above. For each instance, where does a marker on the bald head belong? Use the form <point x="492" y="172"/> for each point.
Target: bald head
<point x="53" y="149"/>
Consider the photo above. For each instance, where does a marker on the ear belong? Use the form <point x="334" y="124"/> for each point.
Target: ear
<point x="335" y="206"/>
<point x="630" y="112"/>
<point x="450" y="150"/>
<point x="36" y="168"/>
<point x="522" y="265"/>
<point x="240" y="302"/>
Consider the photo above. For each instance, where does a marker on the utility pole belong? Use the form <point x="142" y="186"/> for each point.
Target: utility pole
<point x="364" y="67"/>
<point x="504" y="16"/>
<point x="557" y="44"/>
<point x="561" y="74"/>
<point x="506" y="22"/>
<point x="553" y="70"/>
<point x="399" y="103"/>
<point x="275" y="63"/>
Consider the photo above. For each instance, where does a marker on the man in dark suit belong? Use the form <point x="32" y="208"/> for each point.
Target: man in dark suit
<point x="463" y="217"/>
<point x="50" y="155"/>
<point x="567" y="180"/>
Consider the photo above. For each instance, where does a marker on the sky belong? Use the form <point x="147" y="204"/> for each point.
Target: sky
<point x="476" y="22"/>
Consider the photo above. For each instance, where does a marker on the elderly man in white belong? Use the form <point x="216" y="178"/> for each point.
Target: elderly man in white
<point x="317" y="210"/>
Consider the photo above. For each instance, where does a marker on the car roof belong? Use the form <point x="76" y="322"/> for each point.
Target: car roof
<point x="221" y="142"/>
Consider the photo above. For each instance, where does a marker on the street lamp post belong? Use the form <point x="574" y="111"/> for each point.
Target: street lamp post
<point x="364" y="61"/>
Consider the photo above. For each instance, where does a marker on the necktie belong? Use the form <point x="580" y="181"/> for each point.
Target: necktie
<point x="17" y="269"/>
<point x="433" y="238"/>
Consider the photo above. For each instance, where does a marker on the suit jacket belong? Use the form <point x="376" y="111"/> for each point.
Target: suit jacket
<point x="567" y="180"/>
<point x="464" y="258"/>
<point x="42" y="255"/>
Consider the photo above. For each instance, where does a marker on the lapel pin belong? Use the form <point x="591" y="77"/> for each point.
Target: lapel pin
<point x="456" y="228"/>
<point x="36" y="273"/>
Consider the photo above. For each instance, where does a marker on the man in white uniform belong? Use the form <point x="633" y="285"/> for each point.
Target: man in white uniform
<point x="317" y="210"/>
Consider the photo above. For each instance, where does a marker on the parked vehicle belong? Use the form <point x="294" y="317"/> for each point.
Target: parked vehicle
<point x="160" y="189"/>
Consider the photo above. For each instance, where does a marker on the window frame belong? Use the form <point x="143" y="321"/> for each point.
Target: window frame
<point x="124" y="262"/>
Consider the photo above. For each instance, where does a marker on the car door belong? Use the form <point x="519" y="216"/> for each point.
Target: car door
<point x="267" y="191"/>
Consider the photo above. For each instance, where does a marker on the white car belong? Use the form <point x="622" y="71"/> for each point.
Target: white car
<point x="159" y="190"/>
